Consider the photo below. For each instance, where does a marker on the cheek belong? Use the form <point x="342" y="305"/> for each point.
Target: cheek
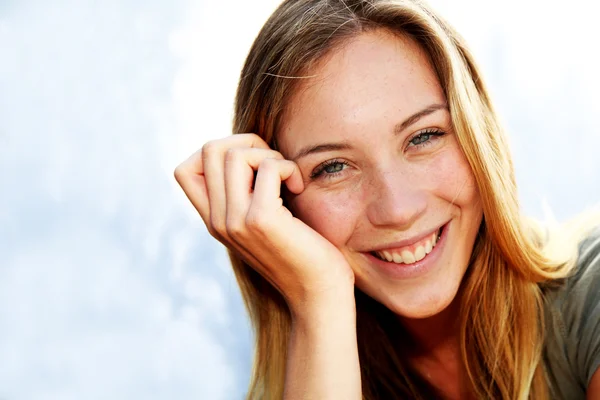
<point x="453" y="180"/>
<point x="333" y="215"/>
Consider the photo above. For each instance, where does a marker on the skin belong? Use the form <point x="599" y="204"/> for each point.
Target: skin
<point x="386" y="189"/>
<point x="394" y="178"/>
<point x="593" y="390"/>
<point x="391" y="190"/>
<point x="383" y="188"/>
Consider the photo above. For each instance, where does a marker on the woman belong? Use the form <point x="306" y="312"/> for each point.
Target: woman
<point x="371" y="214"/>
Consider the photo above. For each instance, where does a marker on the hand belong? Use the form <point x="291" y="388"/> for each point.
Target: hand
<point x="252" y="220"/>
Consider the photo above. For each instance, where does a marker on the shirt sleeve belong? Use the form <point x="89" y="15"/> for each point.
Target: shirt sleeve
<point x="581" y="311"/>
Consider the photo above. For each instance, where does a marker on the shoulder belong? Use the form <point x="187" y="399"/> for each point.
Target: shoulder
<point x="588" y="263"/>
<point x="584" y="274"/>
<point x="573" y="319"/>
<point x="579" y="297"/>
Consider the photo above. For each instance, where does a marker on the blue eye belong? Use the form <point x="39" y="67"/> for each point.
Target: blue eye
<point x="329" y="169"/>
<point x="424" y="138"/>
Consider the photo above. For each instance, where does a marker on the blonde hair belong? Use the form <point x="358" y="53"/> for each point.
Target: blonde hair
<point x="501" y="292"/>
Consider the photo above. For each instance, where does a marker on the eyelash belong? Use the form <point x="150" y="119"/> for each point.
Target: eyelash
<point x="428" y="132"/>
<point x="320" y="169"/>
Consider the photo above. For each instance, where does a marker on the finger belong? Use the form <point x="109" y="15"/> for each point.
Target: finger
<point x="294" y="182"/>
<point x="267" y="188"/>
<point x="194" y="164"/>
<point x="240" y="164"/>
<point x="194" y="184"/>
<point x="213" y="164"/>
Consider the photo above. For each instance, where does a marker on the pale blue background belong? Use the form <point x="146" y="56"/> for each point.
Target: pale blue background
<point x="110" y="287"/>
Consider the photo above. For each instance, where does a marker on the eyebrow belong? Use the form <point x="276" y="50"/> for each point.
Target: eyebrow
<point x="398" y="128"/>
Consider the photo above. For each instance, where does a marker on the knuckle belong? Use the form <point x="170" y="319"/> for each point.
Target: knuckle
<point x="210" y="147"/>
<point x="253" y="221"/>
<point x="256" y="222"/>
<point x="232" y="154"/>
<point x="252" y="136"/>
<point x="211" y="230"/>
<point x="218" y="226"/>
<point x="182" y="173"/>
<point x="179" y="173"/>
<point x="268" y="164"/>
<point x="277" y="155"/>
<point x="235" y="229"/>
<point x="248" y="135"/>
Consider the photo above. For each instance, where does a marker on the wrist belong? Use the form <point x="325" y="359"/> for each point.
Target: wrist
<point x="335" y="304"/>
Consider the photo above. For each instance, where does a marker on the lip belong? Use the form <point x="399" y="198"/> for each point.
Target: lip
<point x="408" y="242"/>
<point x="414" y="270"/>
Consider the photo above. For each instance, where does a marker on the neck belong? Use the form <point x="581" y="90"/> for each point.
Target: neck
<point x="434" y="350"/>
<point x="436" y="334"/>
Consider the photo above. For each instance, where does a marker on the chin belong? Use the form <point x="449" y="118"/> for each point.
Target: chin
<point x="427" y="290"/>
<point x="422" y="310"/>
<point x="417" y="302"/>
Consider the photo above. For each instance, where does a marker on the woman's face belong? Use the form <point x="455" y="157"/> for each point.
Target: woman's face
<point x="384" y="174"/>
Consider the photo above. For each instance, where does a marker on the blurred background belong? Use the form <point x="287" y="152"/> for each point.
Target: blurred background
<point x="110" y="286"/>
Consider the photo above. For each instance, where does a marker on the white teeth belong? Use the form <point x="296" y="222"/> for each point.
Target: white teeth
<point x="428" y="247"/>
<point x="420" y="253"/>
<point x="388" y="256"/>
<point x="408" y="257"/>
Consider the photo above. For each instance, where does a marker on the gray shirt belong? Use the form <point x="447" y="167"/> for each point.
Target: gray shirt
<point x="572" y="348"/>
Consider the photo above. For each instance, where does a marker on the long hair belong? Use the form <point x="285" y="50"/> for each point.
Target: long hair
<point x="501" y="317"/>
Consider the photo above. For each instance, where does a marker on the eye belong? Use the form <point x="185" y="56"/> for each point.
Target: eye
<point x="329" y="169"/>
<point x="424" y="138"/>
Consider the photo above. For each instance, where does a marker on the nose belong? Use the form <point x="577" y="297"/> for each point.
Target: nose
<point x="397" y="199"/>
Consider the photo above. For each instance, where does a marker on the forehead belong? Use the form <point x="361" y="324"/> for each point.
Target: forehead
<point x="376" y="75"/>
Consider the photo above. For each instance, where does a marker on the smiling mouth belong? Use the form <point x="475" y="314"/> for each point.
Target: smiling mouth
<point x="410" y="254"/>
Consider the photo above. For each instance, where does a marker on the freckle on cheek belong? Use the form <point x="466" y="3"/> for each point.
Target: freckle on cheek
<point x="327" y="216"/>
